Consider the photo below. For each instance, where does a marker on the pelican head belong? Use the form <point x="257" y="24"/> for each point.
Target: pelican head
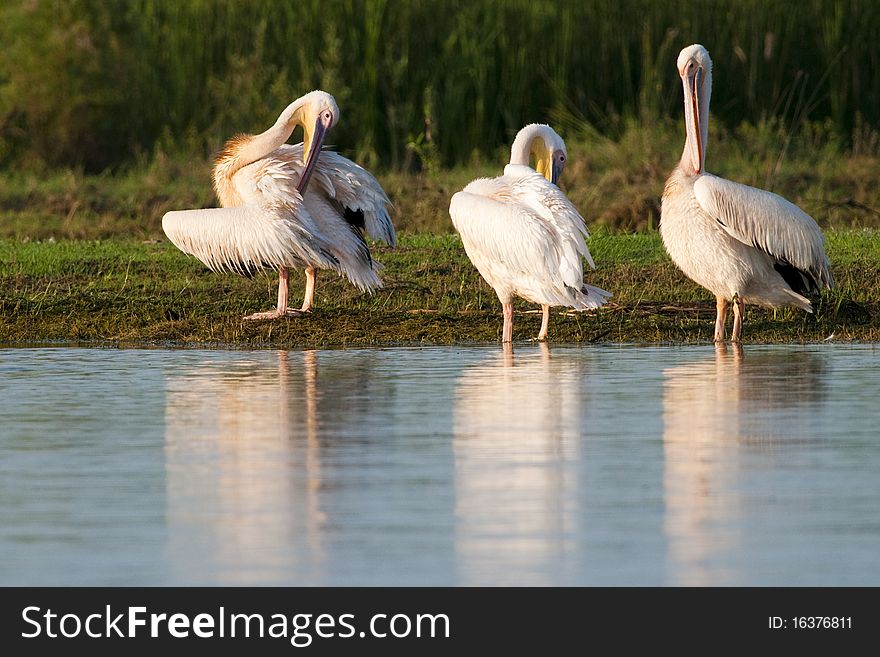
<point x="317" y="112"/>
<point x="695" y="69"/>
<point x="541" y="142"/>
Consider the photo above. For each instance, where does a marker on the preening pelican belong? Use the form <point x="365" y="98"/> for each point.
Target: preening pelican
<point x="288" y="206"/>
<point x="742" y="244"/>
<point x="523" y="235"/>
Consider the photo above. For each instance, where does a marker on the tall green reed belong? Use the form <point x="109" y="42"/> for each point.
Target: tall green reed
<point x="430" y="82"/>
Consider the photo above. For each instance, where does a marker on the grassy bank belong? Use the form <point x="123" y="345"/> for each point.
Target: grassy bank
<point x="83" y="257"/>
<point x="127" y="291"/>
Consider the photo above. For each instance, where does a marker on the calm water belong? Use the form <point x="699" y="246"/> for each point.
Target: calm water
<point x="441" y="466"/>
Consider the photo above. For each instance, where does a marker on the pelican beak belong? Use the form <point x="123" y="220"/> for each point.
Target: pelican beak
<point x="698" y="81"/>
<point x="692" y="119"/>
<point x="548" y="166"/>
<point x="312" y="150"/>
<point x="555" y="170"/>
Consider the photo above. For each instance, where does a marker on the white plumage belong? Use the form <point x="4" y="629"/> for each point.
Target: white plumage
<point x="523" y="235"/>
<point x="289" y="206"/>
<point x="745" y="245"/>
<point x="247" y="238"/>
<point x="349" y="185"/>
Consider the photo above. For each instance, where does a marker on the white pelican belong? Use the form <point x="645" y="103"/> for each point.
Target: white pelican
<point x="272" y="217"/>
<point x="523" y="235"/>
<point x="742" y="244"/>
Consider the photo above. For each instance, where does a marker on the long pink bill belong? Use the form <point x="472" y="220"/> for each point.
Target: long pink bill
<point x="692" y="112"/>
<point x="317" y="143"/>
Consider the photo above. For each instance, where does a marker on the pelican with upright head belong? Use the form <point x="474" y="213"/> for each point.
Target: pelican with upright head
<point x="744" y="245"/>
<point x="523" y="234"/>
<point x="288" y="207"/>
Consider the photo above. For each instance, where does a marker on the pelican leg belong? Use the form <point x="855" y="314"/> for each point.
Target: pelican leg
<point x="281" y="309"/>
<point x="507" y="332"/>
<point x="309" y="295"/>
<point x="720" y="318"/>
<point x="283" y="289"/>
<point x="739" y="309"/>
<point x="545" y="323"/>
<point x="507" y="350"/>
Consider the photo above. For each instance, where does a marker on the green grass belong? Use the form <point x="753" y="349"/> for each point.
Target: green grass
<point x="616" y="184"/>
<point x="136" y="292"/>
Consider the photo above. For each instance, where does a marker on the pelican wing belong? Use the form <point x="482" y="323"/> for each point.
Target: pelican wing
<point x="247" y="238"/>
<point x="525" y="239"/>
<point x="767" y="222"/>
<point x="362" y="200"/>
<point x="547" y="201"/>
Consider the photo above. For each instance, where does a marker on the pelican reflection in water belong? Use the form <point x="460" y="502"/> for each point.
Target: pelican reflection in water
<point x="715" y="417"/>
<point x="286" y="468"/>
<point x="516" y="434"/>
<point x="238" y="439"/>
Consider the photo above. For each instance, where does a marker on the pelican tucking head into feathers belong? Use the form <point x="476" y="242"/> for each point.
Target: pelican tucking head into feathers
<point x="288" y="206"/>
<point x="523" y="234"/>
